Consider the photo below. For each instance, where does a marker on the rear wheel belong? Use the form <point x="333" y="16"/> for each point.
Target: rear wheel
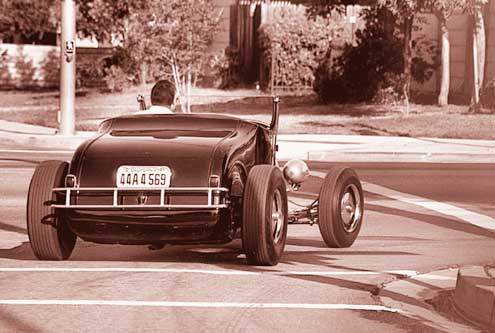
<point x="340" y="207"/>
<point x="264" y="215"/>
<point x="49" y="234"/>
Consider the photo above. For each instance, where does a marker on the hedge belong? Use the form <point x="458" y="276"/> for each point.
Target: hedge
<point x="297" y="43"/>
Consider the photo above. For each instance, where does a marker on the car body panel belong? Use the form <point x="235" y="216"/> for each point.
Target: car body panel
<point x="194" y="146"/>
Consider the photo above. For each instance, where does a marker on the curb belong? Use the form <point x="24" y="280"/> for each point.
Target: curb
<point x="474" y="295"/>
<point x="411" y="294"/>
<point x="311" y="147"/>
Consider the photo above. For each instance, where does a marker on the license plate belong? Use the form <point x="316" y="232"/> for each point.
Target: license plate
<point x="143" y="176"/>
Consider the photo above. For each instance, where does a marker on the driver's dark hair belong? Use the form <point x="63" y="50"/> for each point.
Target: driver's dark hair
<point x="163" y="93"/>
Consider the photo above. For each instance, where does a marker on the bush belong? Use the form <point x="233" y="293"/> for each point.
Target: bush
<point x="372" y="71"/>
<point x="24" y="70"/>
<point x="5" y="76"/>
<point x="488" y="95"/>
<point x="50" y="69"/>
<point x="225" y="66"/>
<point x="296" y="44"/>
<point x="116" y="79"/>
<point x="90" y="72"/>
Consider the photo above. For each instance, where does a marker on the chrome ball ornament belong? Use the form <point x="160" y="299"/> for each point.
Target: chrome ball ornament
<point x="295" y="172"/>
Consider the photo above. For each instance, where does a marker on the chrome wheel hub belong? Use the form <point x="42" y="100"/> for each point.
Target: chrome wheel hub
<point x="350" y="208"/>
<point x="277" y="220"/>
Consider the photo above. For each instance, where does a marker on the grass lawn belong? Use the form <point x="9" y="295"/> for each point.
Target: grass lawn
<point x="299" y="114"/>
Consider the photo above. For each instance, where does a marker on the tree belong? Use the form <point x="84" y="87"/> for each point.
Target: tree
<point x="443" y="9"/>
<point x="26" y="18"/>
<point x="406" y="11"/>
<point x="180" y="34"/>
<point x="475" y="9"/>
<point x="170" y="37"/>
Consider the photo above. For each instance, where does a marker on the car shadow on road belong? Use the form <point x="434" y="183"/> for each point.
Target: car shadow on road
<point x="226" y="256"/>
<point x="14" y="323"/>
<point x="435" y="220"/>
<point x="21" y="252"/>
<point x="12" y="228"/>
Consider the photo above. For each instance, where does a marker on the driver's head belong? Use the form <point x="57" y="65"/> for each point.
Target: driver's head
<point x="163" y="93"/>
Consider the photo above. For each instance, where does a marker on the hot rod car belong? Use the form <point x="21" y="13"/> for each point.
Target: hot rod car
<point x="184" y="179"/>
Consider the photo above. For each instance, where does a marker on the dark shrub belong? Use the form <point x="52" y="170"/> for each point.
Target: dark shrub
<point x="372" y="70"/>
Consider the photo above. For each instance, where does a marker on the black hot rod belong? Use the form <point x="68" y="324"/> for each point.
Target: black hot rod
<point x="184" y="179"/>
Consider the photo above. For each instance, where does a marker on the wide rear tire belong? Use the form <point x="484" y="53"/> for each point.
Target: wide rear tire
<point x="340" y="207"/>
<point x="264" y="215"/>
<point x="49" y="234"/>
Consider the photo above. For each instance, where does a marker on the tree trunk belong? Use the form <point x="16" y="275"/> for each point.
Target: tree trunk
<point x="480" y="40"/>
<point x="443" y="97"/>
<point x="407" y="55"/>
<point x="144" y="70"/>
<point x="479" y="50"/>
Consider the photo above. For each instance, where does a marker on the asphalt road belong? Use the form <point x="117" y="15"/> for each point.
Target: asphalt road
<point x="419" y="218"/>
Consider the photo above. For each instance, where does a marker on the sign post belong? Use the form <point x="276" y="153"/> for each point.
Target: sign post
<point x="68" y="68"/>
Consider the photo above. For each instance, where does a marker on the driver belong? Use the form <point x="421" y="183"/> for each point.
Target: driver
<point x="162" y="97"/>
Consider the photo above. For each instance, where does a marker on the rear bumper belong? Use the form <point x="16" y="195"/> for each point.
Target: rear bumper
<point x="152" y="227"/>
<point x="166" y="198"/>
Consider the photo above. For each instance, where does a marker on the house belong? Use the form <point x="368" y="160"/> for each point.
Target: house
<point x="461" y="55"/>
<point x="245" y="17"/>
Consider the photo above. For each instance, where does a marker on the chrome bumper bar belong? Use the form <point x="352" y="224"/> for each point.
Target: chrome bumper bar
<point x="215" y="197"/>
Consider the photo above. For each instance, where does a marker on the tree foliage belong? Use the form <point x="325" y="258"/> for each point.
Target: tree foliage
<point x="295" y="45"/>
<point x="372" y="71"/>
<point x="159" y="38"/>
<point x="25" y="17"/>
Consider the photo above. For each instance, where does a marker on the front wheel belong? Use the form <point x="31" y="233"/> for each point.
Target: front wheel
<point x="49" y="234"/>
<point x="340" y="207"/>
<point x="264" y="215"/>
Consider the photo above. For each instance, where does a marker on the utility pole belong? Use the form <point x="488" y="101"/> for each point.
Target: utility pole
<point x="68" y="68"/>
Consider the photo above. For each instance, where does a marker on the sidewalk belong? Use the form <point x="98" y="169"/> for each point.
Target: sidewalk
<point x="329" y="148"/>
<point x="385" y="149"/>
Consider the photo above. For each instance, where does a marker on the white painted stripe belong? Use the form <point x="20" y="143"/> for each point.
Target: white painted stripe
<point x="474" y="218"/>
<point x="346" y="273"/>
<point x="171" y="304"/>
<point x="477" y="219"/>
<point x="123" y="269"/>
<point x="407" y="273"/>
<point x="435" y="277"/>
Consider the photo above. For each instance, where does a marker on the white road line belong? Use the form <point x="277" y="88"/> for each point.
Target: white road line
<point x="407" y="273"/>
<point x="434" y="277"/>
<point x="477" y="219"/>
<point x="123" y="269"/>
<point x="474" y="218"/>
<point x="171" y="304"/>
